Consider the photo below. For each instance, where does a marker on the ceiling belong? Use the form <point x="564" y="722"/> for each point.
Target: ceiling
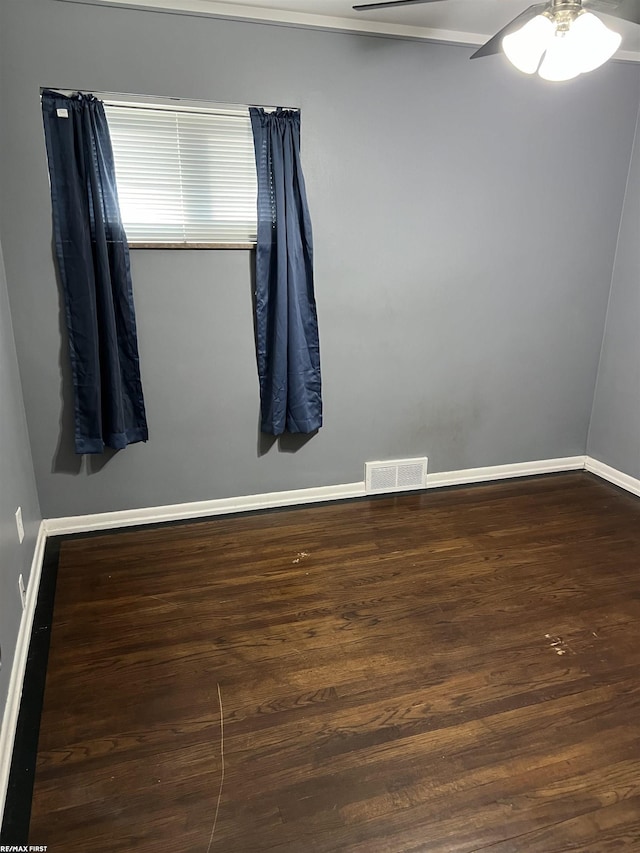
<point x="469" y="22"/>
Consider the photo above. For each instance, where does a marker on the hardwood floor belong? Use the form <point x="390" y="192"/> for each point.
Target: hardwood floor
<point x="448" y="671"/>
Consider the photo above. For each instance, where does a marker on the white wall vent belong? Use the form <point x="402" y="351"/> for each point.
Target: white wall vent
<point x="395" y="475"/>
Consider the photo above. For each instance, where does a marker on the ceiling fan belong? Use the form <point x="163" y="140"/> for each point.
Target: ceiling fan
<point x="559" y="39"/>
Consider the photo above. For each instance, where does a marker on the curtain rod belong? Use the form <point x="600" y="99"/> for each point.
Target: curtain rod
<point x="149" y="99"/>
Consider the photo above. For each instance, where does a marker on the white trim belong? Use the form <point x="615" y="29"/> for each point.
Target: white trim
<point x="294" y="497"/>
<point x="12" y="708"/>
<point x="504" y="472"/>
<point x="200" y="509"/>
<point x="612" y="475"/>
<point x="284" y="17"/>
<point x="262" y="15"/>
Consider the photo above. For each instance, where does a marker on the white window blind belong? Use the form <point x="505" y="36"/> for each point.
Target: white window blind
<point x="184" y="176"/>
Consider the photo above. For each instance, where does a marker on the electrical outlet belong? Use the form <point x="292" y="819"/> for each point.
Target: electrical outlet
<point x="19" y="524"/>
<point x="23" y="592"/>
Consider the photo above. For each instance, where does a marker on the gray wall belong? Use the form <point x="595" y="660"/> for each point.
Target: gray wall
<point x="465" y="221"/>
<point x="614" y="436"/>
<point x="17" y="488"/>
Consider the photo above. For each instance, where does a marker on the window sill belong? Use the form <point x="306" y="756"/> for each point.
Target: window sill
<point x="133" y="245"/>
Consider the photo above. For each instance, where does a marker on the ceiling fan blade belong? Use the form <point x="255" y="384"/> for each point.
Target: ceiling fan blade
<point x="494" y="45"/>
<point x="390" y="3"/>
<point x="627" y="10"/>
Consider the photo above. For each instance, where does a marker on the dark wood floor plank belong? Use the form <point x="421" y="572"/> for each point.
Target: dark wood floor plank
<point x="616" y="826"/>
<point x="437" y="672"/>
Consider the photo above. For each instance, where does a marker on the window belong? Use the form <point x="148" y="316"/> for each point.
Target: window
<point x="186" y="176"/>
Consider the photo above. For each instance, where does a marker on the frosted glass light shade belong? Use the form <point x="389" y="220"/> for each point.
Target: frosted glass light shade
<point x="562" y="60"/>
<point x="525" y="47"/>
<point x="594" y="42"/>
<point x="587" y="45"/>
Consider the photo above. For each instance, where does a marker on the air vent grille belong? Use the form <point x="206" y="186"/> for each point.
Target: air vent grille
<point x="396" y="475"/>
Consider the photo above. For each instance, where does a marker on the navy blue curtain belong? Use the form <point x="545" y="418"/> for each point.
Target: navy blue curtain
<point x="93" y="260"/>
<point x="286" y="322"/>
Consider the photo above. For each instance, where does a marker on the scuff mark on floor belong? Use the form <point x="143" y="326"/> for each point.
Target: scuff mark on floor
<point x="300" y="556"/>
<point x="557" y="644"/>
<point x="215" y="819"/>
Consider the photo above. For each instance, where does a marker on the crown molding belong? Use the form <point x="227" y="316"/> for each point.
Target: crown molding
<point x="284" y="17"/>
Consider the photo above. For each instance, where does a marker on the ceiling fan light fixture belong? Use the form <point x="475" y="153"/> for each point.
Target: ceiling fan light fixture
<point x="559" y="38"/>
<point x="567" y="43"/>
<point x="524" y="48"/>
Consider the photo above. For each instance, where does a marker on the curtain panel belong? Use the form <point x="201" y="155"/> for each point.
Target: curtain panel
<point x="93" y="262"/>
<point x="287" y="341"/>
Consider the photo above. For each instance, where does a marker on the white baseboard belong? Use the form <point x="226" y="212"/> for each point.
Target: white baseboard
<point x="504" y="472"/>
<point x="612" y="475"/>
<point x="295" y="497"/>
<point x="12" y="708"/>
<point x="201" y="509"/>
<point x="343" y="491"/>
